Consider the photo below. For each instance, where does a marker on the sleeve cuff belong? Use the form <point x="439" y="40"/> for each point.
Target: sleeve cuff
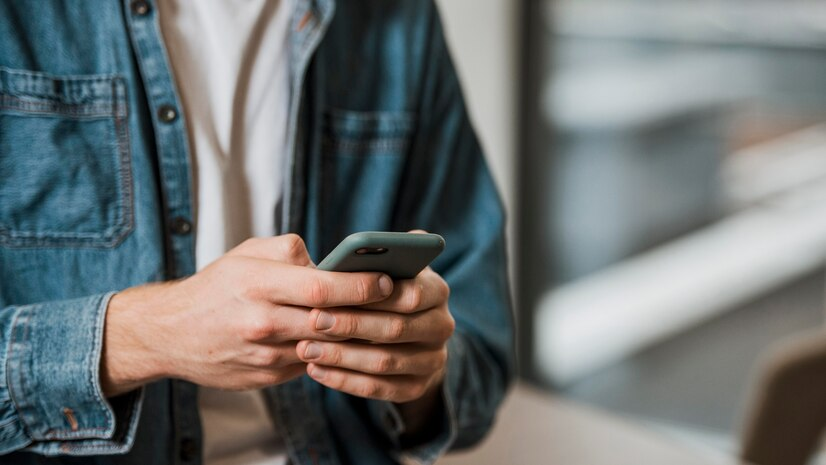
<point x="53" y="363"/>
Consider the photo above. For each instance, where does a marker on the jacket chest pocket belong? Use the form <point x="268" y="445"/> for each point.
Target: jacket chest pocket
<point x="65" y="169"/>
<point x="363" y="158"/>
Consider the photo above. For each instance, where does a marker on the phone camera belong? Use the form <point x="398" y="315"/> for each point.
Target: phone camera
<point x="371" y="251"/>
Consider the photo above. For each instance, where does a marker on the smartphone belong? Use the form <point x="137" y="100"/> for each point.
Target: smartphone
<point x="399" y="255"/>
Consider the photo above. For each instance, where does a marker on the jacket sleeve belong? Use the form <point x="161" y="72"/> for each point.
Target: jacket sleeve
<point x="448" y="190"/>
<point x="51" y="401"/>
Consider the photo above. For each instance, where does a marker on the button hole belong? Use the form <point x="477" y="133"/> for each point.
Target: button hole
<point x="70" y="417"/>
<point x="304" y="20"/>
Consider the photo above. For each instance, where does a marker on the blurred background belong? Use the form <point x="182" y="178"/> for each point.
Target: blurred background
<point x="663" y="164"/>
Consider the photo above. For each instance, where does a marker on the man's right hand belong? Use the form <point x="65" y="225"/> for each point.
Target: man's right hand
<point x="233" y="325"/>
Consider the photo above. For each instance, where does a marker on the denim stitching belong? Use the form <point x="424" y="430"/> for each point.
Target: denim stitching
<point x="367" y="145"/>
<point x="400" y="116"/>
<point x="94" y="360"/>
<point x="78" y="110"/>
<point x="37" y="84"/>
<point x="346" y="124"/>
<point x="81" y="433"/>
<point x="37" y="75"/>
<point x="68" y="447"/>
<point x="115" y="444"/>
<point x="366" y="132"/>
<point x="20" y="404"/>
<point x="126" y="211"/>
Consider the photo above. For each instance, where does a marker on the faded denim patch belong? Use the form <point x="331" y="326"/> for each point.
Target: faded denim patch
<point x="65" y="174"/>
<point x="363" y="156"/>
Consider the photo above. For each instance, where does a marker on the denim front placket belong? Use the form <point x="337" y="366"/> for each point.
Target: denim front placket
<point x="176" y="189"/>
<point x="296" y="406"/>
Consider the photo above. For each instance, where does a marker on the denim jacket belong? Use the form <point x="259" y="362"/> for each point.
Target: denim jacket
<point x="96" y="196"/>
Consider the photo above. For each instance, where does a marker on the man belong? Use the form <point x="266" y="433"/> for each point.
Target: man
<point x="139" y="141"/>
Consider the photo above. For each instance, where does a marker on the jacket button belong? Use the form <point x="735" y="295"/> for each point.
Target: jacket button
<point x="167" y="113"/>
<point x="140" y="7"/>
<point x="180" y="226"/>
<point x="189" y="449"/>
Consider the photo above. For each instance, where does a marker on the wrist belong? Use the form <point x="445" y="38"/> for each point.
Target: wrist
<point x="422" y="417"/>
<point x="132" y="356"/>
<point x="420" y="412"/>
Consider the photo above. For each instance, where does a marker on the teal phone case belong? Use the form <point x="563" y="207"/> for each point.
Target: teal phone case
<point x="399" y="255"/>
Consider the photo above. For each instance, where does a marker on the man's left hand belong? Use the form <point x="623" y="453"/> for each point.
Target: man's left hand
<point x="393" y="350"/>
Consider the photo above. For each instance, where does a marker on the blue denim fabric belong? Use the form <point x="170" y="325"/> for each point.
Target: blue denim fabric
<point x="92" y="176"/>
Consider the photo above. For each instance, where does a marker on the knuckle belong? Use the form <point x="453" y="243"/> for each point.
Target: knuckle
<point x="250" y="289"/>
<point x="370" y="390"/>
<point x="384" y="364"/>
<point x="442" y="357"/>
<point x="414" y="298"/>
<point x="447" y="328"/>
<point x="437" y="361"/>
<point x="317" y="294"/>
<point x="269" y="358"/>
<point x="257" y="328"/>
<point x="396" y="329"/>
<point x="276" y="359"/>
<point x="332" y="356"/>
<point x="444" y="289"/>
<point x="393" y="394"/>
<point x="335" y="382"/>
<point x="451" y="326"/>
<point x="416" y="391"/>
<point x="362" y="289"/>
<point x="349" y="326"/>
<point x="242" y="277"/>
<point x="293" y="246"/>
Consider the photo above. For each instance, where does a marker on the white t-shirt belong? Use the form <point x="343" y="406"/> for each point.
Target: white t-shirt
<point x="230" y="60"/>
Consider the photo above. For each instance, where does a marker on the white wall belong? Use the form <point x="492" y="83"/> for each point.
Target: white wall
<point x="483" y="37"/>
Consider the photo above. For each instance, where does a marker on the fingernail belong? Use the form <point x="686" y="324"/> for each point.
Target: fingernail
<point x="324" y="321"/>
<point x="312" y="351"/>
<point x="317" y="372"/>
<point x="386" y="285"/>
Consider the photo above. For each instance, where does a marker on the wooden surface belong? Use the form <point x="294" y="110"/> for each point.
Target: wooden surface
<point x="537" y="428"/>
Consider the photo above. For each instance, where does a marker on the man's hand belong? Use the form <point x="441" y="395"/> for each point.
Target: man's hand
<point x="394" y="350"/>
<point x="234" y="325"/>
